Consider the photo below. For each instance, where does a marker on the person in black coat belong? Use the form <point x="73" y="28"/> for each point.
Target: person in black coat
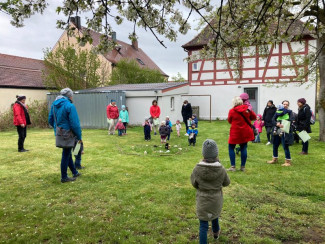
<point x="303" y="122"/>
<point x="186" y="112"/>
<point x="268" y="114"/>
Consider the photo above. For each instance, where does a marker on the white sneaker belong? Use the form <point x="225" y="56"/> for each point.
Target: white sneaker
<point x="186" y="134"/>
<point x="268" y="143"/>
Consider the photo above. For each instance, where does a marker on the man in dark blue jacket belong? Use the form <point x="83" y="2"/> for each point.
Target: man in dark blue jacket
<point x="67" y="118"/>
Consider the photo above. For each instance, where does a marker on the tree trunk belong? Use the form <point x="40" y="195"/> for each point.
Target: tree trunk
<point x="321" y="96"/>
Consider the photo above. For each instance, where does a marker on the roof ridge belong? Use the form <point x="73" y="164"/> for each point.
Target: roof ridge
<point x="21" y="57"/>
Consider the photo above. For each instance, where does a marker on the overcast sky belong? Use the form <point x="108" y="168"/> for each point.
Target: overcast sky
<point x="40" y="32"/>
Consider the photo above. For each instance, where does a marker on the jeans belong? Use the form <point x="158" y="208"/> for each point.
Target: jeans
<point x="268" y="132"/>
<point x="243" y="154"/>
<point x="125" y="124"/>
<point x="305" y="146"/>
<point x="22" y="133"/>
<point x="120" y="132"/>
<point x="66" y="162"/>
<point x="257" y="138"/>
<point x="204" y="227"/>
<point x="277" y="140"/>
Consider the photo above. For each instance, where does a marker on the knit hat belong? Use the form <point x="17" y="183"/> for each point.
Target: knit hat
<point x="67" y="92"/>
<point x="280" y="106"/>
<point x="163" y="122"/>
<point x="210" y="149"/>
<point x="244" y="96"/>
<point x="123" y="107"/>
<point x="113" y="100"/>
<point x="259" y="115"/>
<point x="20" y="97"/>
<point x="302" y="100"/>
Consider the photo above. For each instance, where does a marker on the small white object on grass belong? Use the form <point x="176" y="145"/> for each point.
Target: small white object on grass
<point x="146" y="145"/>
<point x="145" y="153"/>
<point x="167" y="151"/>
<point x="175" y="145"/>
<point x="180" y="149"/>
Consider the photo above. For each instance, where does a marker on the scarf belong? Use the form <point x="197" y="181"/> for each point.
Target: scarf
<point x="25" y="112"/>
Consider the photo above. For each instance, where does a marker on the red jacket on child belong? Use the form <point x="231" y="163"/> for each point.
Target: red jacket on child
<point x="112" y="112"/>
<point x="119" y="126"/>
<point x="259" y="125"/>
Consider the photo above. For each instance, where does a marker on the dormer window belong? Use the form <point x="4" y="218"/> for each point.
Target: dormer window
<point x="140" y="61"/>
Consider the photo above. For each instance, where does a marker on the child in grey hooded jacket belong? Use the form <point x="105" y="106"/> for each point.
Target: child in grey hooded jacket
<point x="208" y="177"/>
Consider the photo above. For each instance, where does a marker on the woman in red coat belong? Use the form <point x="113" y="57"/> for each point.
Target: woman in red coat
<point x="155" y="114"/>
<point x="240" y="118"/>
<point x="112" y="116"/>
<point x="21" y="120"/>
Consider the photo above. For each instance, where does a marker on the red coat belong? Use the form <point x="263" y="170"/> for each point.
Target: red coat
<point x="19" y="115"/>
<point x="155" y="111"/>
<point x="112" y="112"/>
<point x="119" y="126"/>
<point x="240" y="131"/>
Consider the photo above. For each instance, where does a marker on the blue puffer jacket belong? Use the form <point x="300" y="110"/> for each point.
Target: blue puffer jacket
<point x="66" y="116"/>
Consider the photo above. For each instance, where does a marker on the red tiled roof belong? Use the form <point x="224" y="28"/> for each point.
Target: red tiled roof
<point x="202" y="39"/>
<point x="21" y="72"/>
<point x="126" y="51"/>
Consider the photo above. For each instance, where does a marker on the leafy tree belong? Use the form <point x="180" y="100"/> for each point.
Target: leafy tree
<point x="68" y="66"/>
<point x="235" y="24"/>
<point x="127" y="71"/>
<point x="177" y="78"/>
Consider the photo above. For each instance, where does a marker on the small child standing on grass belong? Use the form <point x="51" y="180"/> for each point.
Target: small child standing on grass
<point x="178" y="127"/>
<point x="258" y="123"/>
<point x="195" y="120"/>
<point x="120" y="127"/>
<point x="208" y="177"/>
<point x="163" y="131"/>
<point x="169" y="126"/>
<point x="147" y="128"/>
<point x="192" y="133"/>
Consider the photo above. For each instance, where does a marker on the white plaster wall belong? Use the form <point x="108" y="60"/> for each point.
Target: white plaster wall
<point x="208" y="65"/>
<point x="8" y="96"/>
<point x="223" y="95"/>
<point x="207" y="76"/>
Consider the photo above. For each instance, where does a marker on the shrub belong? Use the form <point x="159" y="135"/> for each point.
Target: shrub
<point x="38" y="112"/>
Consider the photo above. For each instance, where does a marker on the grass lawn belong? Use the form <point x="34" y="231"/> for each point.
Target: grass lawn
<point x="127" y="196"/>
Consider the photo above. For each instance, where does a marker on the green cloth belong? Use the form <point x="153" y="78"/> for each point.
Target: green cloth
<point x="124" y="115"/>
<point x="208" y="179"/>
<point x="283" y="117"/>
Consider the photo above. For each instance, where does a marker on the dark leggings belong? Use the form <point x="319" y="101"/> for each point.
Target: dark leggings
<point x="125" y="124"/>
<point x="268" y="132"/>
<point x="22" y="133"/>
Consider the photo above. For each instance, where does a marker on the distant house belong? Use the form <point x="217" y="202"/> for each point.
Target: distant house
<point x="110" y="59"/>
<point x="20" y="75"/>
<point x="262" y="71"/>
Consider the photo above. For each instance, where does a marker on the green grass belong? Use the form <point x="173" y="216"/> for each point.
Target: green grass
<point x="125" y="196"/>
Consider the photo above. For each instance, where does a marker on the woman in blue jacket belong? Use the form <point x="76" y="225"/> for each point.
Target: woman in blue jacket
<point x="67" y="118"/>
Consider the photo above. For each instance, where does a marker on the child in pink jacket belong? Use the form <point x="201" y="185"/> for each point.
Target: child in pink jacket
<point x="120" y="127"/>
<point x="258" y="123"/>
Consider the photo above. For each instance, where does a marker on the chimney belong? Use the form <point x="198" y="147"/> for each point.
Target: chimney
<point x="114" y="36"/>
<point x="76" y="21"/>
<point x="135" y="44"/>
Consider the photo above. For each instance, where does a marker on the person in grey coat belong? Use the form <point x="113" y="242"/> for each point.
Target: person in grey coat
<point x="208" y="177"/>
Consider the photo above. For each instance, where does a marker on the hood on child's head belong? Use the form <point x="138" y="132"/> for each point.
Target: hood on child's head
<point x="167" y="117"/>
<point x="163" y="122"/>
<point x="280" y="106"/>
<point x="244" y="96"/>
<point x="259" y="115"/>
<point x="123" y="107"/>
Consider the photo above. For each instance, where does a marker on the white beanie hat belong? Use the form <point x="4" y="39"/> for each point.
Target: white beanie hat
<point x="67" y="92"/>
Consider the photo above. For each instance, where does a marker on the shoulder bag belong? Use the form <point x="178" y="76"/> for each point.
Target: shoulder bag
<point x="255" y="131"/>
<point x="63" y="138"/>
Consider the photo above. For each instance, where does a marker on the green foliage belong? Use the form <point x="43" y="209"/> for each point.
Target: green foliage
<point x="124" y="198"/>
<point x="38" y="112"/>
<point x="177" y="78"/>
<point x="73" y="67"/>
<point x="128" y="71"/>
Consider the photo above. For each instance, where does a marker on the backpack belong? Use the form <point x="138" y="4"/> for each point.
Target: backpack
<point x="312" y="118"/>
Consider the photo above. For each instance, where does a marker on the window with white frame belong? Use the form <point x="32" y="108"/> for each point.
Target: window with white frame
<point x="172" y="103"/>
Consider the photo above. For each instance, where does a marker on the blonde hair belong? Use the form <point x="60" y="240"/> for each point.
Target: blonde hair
<point x="236" y="101"/>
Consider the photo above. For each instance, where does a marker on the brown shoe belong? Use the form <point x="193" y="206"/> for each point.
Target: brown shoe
<point x="287" y="163"/>
<point x="303" y="153"/>
<point x="273" y="161"/>
<point x="232" y="169"/>
<point x="242" y="168"/>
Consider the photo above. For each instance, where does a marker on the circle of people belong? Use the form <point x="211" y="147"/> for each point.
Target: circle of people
<point x="281" y="125"/>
